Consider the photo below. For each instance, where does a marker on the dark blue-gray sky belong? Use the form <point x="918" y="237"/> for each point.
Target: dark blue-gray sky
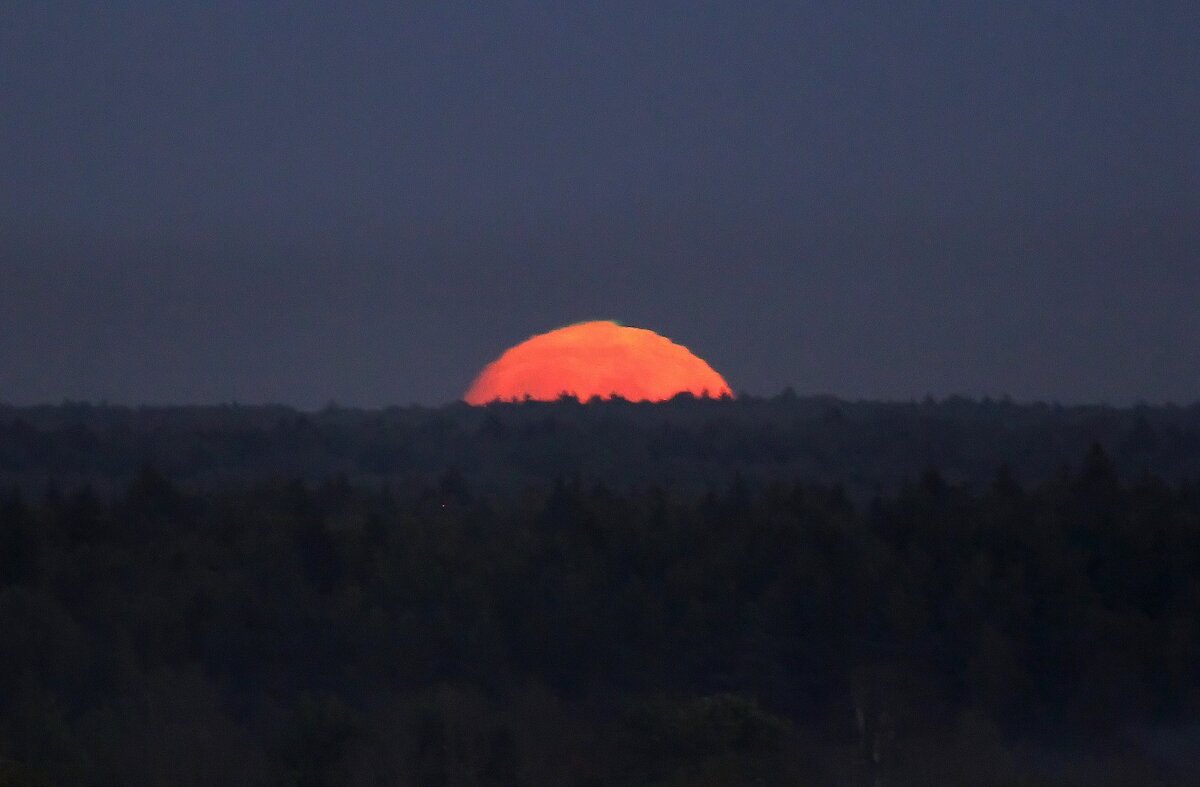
<point x="365" y="202"/>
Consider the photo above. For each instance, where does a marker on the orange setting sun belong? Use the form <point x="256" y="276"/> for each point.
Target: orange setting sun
<point x="600" y="358"/>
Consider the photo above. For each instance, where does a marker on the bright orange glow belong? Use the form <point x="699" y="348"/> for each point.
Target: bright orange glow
<point x="596" y="359"/>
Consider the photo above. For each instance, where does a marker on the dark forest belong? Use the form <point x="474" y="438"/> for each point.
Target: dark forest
<point x="777" y="591"/>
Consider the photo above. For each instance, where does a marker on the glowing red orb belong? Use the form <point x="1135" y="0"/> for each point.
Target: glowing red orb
<point x="599" y="358"/>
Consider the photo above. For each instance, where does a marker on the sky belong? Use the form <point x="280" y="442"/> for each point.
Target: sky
<point x="365" y="202"/>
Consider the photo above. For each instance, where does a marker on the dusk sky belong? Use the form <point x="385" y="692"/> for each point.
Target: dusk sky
<point x="366" y="202"/>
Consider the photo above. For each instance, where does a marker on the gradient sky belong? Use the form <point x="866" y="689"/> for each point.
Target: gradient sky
<point x="365" y="202"/>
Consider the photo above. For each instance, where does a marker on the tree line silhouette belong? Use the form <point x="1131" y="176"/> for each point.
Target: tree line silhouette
<point x="743" y="625"/>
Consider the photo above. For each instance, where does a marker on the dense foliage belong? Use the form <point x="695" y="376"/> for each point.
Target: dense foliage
<point x="439" y="628"/>
<point x="685" y="445"/>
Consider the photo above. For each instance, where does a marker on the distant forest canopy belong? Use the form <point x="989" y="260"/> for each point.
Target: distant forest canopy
<point x="784" y="591"/>
<point x="870" y="448"/>
<point x="308" y="634"/>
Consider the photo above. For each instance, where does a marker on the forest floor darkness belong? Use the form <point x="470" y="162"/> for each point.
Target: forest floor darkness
<point x="785" y="591"/>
